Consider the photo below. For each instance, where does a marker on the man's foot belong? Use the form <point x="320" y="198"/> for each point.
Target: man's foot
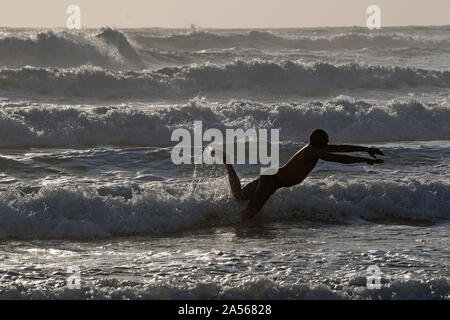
<point x="248" y="214"/>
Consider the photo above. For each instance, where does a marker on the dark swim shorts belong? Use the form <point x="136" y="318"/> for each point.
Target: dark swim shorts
<point x="260" y="190"/>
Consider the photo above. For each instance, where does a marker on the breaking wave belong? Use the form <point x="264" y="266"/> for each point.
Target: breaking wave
<point x="108" y="49"/>
<point x="344" y="119"/>
<point x="239" y="77"/>
<point x="136" y="49"/>
<point x="200" y="40"/>
<point x="50" y="212"/>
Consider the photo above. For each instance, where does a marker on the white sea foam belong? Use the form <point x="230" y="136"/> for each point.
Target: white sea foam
<point x="256" y="76"/>
<point x="154" y="209"/>
<point x="344" y="119"/>
<point x="264" y="288"/>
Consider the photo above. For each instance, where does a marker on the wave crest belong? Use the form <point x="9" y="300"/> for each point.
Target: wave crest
<point x="109" y="49"/>
<point x="256" y="76"/>
<point x="344" y="119"/>
<point x="82" y="212"/>
<point x="201" y="40"/>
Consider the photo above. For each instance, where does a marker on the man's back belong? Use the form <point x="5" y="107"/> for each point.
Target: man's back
<point x="298" y="167"/>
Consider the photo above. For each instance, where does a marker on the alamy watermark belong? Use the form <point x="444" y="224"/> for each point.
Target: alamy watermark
<point x="374" y="20"/>
<point x="373" y="277"/>
<point x="74" y="20"/>
<point x="190" y="149"/>
<point x="73" y="281"/>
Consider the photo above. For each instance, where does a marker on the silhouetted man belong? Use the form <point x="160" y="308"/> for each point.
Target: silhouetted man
<point x="294" y="171"/>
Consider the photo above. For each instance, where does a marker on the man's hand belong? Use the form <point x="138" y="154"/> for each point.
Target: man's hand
<point x="374" y="151"/>
<point x="370" y="161"/>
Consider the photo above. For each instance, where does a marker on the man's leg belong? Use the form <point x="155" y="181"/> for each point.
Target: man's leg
<point x="235" y="183"/>
<point x="239" y="193"/>
<point x="266" y="187"/>
<point x="248" y="213"/>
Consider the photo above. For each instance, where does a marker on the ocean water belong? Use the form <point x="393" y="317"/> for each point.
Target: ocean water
<point x="87" y="182"/>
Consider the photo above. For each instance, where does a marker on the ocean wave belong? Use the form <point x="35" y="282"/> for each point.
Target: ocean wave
<point x="201" y="40"/>
<point x="60" y="212"/>
<point x="238" y="77"/>
<point x="109" y="49"/>
<point x="344" y="119"/>
<point x="118" y="40"/>
<point x="138" y="49"/>
<point x="260" y="289"/>
<point x="70" y="127"/>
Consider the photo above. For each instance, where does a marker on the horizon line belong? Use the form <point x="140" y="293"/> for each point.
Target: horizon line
<point x="194" y="26"/>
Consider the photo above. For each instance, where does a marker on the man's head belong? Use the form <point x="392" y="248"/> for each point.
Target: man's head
<point x="318" y="139"/>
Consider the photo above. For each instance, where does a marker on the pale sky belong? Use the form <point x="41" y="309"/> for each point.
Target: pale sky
<point x="222" y="13"/>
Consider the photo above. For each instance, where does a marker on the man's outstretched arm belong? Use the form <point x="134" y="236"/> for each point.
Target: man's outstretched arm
<point x="324" y="155"/>
<point x="350" y="148"/>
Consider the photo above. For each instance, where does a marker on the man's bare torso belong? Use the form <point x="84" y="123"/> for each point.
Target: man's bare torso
<point x="297" y="168"/>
